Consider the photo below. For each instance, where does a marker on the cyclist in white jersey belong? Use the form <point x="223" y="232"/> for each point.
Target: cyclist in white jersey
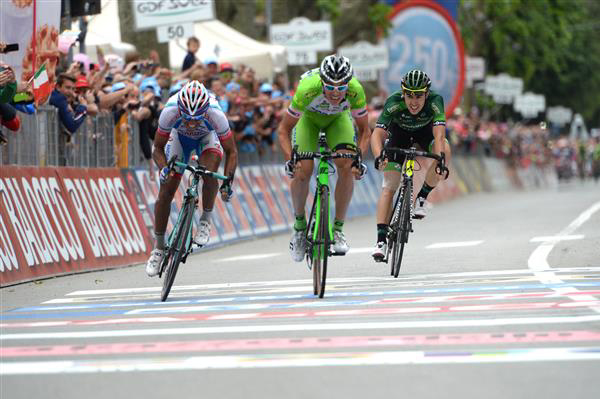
<point x="191" y="121"/>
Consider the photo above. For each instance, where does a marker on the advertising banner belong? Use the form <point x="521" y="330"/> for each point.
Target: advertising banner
<point x="153" y="13"/>
<point x="59" y="220"/>
<point x="264" y="198"/>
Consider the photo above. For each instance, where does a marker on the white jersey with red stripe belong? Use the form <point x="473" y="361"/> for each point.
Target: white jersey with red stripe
<point x="213" y="121"/>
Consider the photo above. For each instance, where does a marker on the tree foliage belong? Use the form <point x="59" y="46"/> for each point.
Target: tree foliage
<point x="553" y="45"/>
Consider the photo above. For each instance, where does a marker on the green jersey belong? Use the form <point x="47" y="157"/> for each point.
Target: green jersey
<point x="309" y="98"/>
<point x="396" y="111"/>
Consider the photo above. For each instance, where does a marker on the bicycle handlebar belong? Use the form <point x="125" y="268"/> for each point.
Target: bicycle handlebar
<point x="199" y="170"/>
<point x="440" y="169"/>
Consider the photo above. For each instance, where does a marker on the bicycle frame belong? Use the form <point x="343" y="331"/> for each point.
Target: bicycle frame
<point x="319" y="239"/>
<point x="179" y="244"/>
<point x="191" y="194"/>
<point x="408" y="168"/>
<point x="322" y="180"/>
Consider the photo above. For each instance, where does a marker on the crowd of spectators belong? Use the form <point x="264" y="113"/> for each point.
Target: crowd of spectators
<point x="526" y="145"/>
<point x="134" y="89"/>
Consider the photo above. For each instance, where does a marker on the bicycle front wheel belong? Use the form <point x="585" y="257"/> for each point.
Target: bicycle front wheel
<point x="393" y="231"/>
<point x="321" y="244"/>
<point x="178" y="248"/>
<point x="403" y="227"/>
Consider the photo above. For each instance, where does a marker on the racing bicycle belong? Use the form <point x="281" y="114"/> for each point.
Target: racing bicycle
<point x="319" y="234"/>
<point x="401" y="223"/>
<point x="179" y="243"/>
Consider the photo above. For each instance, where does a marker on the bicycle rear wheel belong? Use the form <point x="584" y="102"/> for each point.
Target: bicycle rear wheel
<point x="178" y="249"/>
<point x="403" y="226"/>
<point x="321" y="245"/>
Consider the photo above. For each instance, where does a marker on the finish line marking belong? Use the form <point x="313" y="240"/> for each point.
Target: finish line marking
<point x="195" y="317"/>
<point x="454" y="244"/>
<point x="299" y="343"/>
<point x="302" y="360"/>
<point x="302" y="327"/>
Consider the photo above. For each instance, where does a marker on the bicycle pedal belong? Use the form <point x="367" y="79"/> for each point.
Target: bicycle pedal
<point x="336" y="254"/>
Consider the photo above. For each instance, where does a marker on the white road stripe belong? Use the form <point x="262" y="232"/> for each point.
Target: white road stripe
<point x="301" y="327"/>
<point x="300" y="360"/>
<point x="538" y="260"/>
<point x="248" y="257"/>
<point x="557" y="238"/>
<point x="454" y="244"/>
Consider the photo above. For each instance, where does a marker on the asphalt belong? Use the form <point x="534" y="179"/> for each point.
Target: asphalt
<point x="498" y="297"/>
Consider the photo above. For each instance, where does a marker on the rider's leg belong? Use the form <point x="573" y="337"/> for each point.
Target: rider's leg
<point x="432" y="178"/>
<point x="305" y="135"/>
<point x="162" y="208"/>
<point x="299" y="187"/>
<point x="210" y="157"/>
<point x="391" y="182"/>
<point x="341" y="138"/>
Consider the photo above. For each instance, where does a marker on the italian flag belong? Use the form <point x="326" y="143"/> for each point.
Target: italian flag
<point x="41" y="86"/>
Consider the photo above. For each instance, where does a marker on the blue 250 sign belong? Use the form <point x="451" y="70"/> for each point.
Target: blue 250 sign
<point x="424" y="36"/>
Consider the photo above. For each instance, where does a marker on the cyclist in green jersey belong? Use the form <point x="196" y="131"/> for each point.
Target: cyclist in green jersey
<point x="413" y="115"/>
<point x="326" y="100"/>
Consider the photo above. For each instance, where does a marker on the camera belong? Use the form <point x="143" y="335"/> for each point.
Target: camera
<point x="10" y="48"/>
<point x="133" y="105"/>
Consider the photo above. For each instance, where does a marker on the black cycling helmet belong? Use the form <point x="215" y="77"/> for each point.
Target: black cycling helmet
<point x="416" y="80"/>
<point x="336" y="69"/>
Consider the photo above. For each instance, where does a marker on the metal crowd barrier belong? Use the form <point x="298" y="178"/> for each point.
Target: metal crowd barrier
<point x="40" y="141"/>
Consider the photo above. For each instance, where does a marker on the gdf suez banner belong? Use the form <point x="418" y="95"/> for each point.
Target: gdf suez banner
<point x="59" y="220"/>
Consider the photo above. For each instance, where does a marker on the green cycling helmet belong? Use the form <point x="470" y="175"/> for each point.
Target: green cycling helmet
<point x="416" y="80"/>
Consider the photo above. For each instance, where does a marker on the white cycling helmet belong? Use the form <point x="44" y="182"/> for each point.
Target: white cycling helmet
<point x="193" y="99"/>
<point x="336" y="69"/>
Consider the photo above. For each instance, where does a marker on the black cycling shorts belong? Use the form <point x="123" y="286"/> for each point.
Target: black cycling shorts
<point x="401" y="138"/>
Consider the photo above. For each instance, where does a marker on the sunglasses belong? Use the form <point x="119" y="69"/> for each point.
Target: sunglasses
<point x="338" y="88"/>
<point x="412" y="94"/>
<point x="192" y="118"/>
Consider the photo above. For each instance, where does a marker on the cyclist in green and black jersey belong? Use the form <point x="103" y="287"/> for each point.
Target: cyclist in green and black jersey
<point x="414" y="114"/>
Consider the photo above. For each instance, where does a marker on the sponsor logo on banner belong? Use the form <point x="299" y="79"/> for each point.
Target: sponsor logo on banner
<point x="56" y="221"/>
<point x="223" y="221"/>
<point x="264" y="198"/>
<point x="249" y="207"/>
<point x="134" y="188"/>
<point x="236" y="213"/>
<point x="278" y="187"/>
<point x="43" y="230"/>
<point x="106" y="214"/>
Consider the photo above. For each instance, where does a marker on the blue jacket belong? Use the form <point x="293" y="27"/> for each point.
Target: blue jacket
<point x="71" y="121"/>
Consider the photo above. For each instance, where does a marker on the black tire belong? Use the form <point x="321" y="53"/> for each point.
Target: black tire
<point x="393" y="231"/>
<point x="321" y="246"/>
<point x="309" y="240"/>
<point x="404" y="227"/>
<point x="178" y="250"/>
